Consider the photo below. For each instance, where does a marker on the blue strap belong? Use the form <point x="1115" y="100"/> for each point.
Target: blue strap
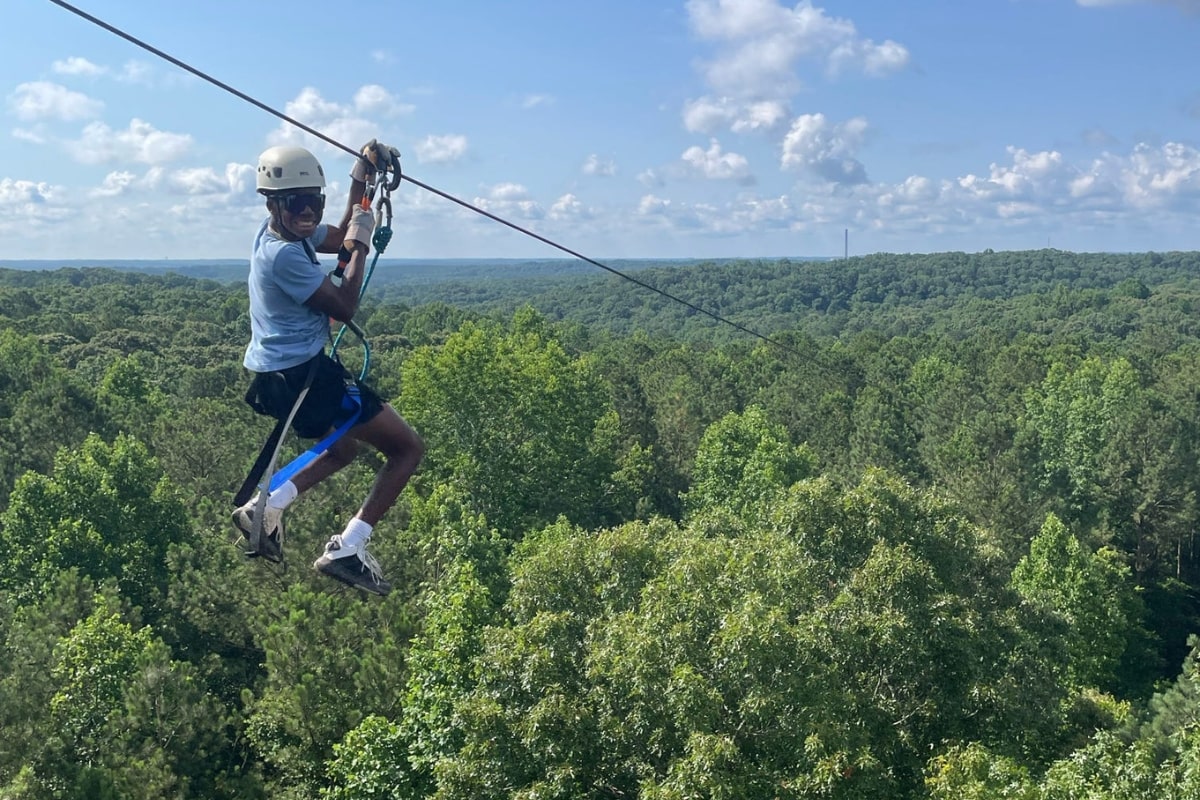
<point x="350" y="402"/>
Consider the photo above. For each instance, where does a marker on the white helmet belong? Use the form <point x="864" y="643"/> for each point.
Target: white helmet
<point x="282" y="168"/>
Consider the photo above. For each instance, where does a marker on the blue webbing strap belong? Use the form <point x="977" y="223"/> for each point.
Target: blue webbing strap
<point x="350" y="402"/>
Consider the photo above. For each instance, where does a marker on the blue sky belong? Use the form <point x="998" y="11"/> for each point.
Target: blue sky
<point x="623" y="129"/>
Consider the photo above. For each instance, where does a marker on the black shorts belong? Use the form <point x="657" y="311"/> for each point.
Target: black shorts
<point x="325" y="406"/>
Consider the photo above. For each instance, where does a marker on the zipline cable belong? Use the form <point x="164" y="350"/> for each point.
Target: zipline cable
<point x="333" y="142"/>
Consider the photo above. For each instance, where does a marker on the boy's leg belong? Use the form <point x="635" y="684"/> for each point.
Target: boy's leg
<point x="346" y="558"/>
<point x="339" y="455"/>
<point x="402" y="448"/>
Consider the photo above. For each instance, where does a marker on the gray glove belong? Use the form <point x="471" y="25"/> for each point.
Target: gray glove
<point x="362" y="224"/>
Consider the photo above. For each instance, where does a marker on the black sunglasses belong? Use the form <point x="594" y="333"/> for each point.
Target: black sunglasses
<point x="296" y="203"/>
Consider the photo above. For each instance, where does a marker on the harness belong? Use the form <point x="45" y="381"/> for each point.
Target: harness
<point x="262" y="475"/>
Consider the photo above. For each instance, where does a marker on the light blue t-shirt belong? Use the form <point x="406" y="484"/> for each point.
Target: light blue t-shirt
<point x="283" y="331"/>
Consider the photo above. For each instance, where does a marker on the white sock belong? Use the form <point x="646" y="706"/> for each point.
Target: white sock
<point x="283" y="496"/>
<point x="356" y="534"/>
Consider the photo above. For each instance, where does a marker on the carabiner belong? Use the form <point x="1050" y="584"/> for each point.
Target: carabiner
<point x="384" y="202"/>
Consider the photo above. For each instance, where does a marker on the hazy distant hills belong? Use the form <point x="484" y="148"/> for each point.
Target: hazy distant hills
<point x="890" y="293"/>
<point x="388" y="271"/>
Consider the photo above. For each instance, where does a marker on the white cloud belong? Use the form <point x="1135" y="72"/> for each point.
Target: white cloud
<point x="826" y="150"/>
<point x="1029" y="174"/>
<point x="27" y="203"/>
<point x="761" y="46"/>
<point x="1042" y="189"/>
<point x="707" y="114"/>
<point x="759" y="213"/>
<point x="1155" y="176"/>
<point x="42" y="100"/>
<point x="114" y="184"/>
<point x="763" y="115"/>
<point x="1030" y="170"/>
<point x="343" y="123"/>
<point x="602" y="167"/>
<point x="141" y="142"/>
<point x="441" y="149"/>
<point x="1012" y="210"/>
<point x="651" y="179"/>
<point x="508" y="192"/>
<point x="310" y="107"/>
<point x="136" y="72"/>
<point x="535" y="100"/>
<point x="663" y="213"/>
<point x="912" y="194"/>
<point x="240" y="177"/>
<point x="717" y="165"/>
<point x="197" y="180"/>
<point x="1191" y="6"/>
<point x="760" y="43"/>
<point x="510" y="200"/>
<point x="568" y="208"/>
<point x="205" y="187"/>
<point x="374" y="100"/>
<point x="874" y="60"/>
<point x="141" y="73"/>
<point x="1028" y="197"/>
<point x="76" y="66"/>
<point x="36" y="136"/>
<point x="651" y="205"/>
<point x="14" y="192"/>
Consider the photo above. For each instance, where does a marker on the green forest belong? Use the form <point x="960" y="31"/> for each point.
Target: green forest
<point x="934" y="536"/>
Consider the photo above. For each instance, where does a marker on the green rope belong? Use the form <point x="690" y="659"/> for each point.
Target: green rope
<point x="383" y="235"/>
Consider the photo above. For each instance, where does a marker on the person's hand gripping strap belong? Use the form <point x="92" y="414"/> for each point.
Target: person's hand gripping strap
<point x="362" y="224"/>
<point x="375" y="157"/>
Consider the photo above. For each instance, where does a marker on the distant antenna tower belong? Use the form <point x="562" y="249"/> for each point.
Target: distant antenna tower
<point x="846" y="248"/>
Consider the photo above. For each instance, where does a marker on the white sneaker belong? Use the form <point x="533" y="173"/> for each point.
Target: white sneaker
<point x="270" y="542"/>
<point x="353" y="566"/>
